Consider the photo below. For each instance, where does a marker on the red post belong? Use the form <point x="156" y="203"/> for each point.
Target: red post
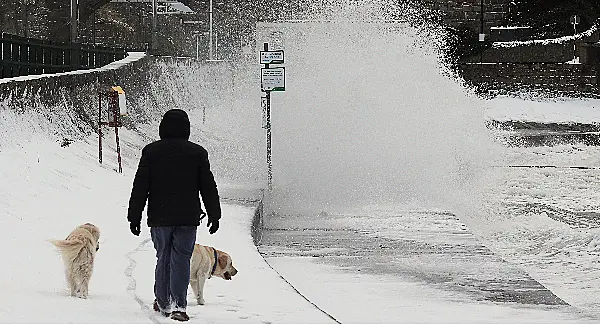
<point x="116" y="121"/>
<point x="112" y="100"/>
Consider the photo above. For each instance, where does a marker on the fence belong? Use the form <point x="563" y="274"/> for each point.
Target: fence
<point x="20" y="56"/>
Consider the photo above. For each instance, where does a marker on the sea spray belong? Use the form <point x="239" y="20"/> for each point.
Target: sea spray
<point x="370" y="115"/>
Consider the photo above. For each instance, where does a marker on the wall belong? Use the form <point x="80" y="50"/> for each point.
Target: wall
<point x="532" y="53"/>
<point x="467" y="12"/>
<point x="225" y="107"/>
<point x="558" y="79"/>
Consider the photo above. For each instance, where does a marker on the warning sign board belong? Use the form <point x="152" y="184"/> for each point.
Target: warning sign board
<point x="272" y="79"/>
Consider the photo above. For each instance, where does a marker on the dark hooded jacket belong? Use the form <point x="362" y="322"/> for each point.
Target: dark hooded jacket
<point x="171" y="173"/>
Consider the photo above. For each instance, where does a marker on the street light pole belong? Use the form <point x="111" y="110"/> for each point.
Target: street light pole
<point x="197" y="47"/>
<point x="94" y="27"/>
<point x="154" y="26"/>
<point x="210" y="31"/>
<point x="482" y="27"/>
<point x="575" y="21"/>
<point x="73" y="21"/>
<point x="481" y="31"/>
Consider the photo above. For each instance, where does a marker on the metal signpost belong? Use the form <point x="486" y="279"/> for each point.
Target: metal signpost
<point x="116" y="108"/>
<point x="74" y="20"/>
<point x="271" y="79"/>
<point x="154" y="37"/>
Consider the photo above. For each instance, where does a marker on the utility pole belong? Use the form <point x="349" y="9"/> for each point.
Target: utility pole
<point x="154" y="27"/>
<point x="481" y="31"/>
<point x="24" y="8"/>
<point x="197" y="46"/>
<point x="575" y="20"/>
<point x="481" y="17"/>
<point x="94" y="27"/>
<point x="74" y="18"/>
<point x="210" y="30"/>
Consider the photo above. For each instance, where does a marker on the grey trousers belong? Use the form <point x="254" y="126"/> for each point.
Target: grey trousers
<point x="174" y="247"/>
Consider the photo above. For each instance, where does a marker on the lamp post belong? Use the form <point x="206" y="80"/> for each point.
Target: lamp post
<point x="74" y="10"/>
<point x="210" y="30"/>
<point x="24" y="8"/>
<point x="481" y="31"/>
<point x="481" y="17"/>
<point x="575" y="20"/>
<point x="213" y="49"/>
<point x="94" y="27"/>
<point x="197" y="47"/>
<point x="153" y="44"/>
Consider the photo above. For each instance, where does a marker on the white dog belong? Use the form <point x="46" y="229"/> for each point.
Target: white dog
<point x="206" y="262"/>
<point x="78" y="251"/>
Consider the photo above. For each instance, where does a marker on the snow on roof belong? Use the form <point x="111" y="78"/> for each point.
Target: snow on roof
<point x="178" y="6"/>
<point x="510" y="27"/>
<point x="559" y="40"/>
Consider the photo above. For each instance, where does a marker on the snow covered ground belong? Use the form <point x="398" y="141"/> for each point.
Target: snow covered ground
<point x="46" y="190"/>
<point x="530" y="254"/>
<point x="549" y="110"/>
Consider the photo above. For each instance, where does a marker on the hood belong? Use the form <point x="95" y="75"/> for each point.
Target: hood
<point x="175" y="124"/>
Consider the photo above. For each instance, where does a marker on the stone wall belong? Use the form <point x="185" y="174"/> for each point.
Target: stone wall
<point x="73" y="97"/>
<point x="557" y="79"/>
<point x="225" y="120"/>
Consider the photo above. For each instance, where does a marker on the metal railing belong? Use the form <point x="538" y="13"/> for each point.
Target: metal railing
<point x="20" y="56"/>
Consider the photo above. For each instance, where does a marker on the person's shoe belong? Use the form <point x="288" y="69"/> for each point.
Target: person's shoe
<point x="180" y="316"/>
<point x="156" y="308"/>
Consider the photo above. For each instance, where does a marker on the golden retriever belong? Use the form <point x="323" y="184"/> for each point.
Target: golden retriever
<point x="78" y="251"/>
<point x="207" y="262"/>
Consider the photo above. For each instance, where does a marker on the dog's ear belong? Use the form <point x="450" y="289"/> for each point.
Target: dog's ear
<point x="223" y="261"/>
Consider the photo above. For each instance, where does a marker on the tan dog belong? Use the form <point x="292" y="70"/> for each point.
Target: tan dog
<point x="78" y="251"/>
<point x="207" y="262"/>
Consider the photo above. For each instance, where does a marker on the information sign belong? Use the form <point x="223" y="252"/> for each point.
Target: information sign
<point x="271" y="57"/>
<point x="272" y="79"/>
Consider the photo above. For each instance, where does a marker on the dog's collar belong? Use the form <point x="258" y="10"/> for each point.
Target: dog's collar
<point x="214" y="268"/>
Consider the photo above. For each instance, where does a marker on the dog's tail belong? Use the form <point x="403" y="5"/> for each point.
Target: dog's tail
<point x="66" y="245"/>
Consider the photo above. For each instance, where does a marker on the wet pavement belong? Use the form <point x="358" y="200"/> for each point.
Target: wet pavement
<point x="421" y="246"/>
<point x="435" y="247"/>
<point x="529" y="134"/>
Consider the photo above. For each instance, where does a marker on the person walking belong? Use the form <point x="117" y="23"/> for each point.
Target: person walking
<point x="171" y="173"/>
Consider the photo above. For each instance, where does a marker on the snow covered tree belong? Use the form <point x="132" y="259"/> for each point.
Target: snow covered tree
<point x="552" y="18"/>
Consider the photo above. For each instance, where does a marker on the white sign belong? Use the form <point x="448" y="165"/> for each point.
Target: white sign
<point x="272" y="79"/>
<point x="122" y="105"/>
<point x="575" y="20"/>
<point x="268" y="57"/>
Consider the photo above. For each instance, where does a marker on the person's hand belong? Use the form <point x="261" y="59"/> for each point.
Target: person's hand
<point x="135" y="228"/>
<point x="214" y="226"/>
